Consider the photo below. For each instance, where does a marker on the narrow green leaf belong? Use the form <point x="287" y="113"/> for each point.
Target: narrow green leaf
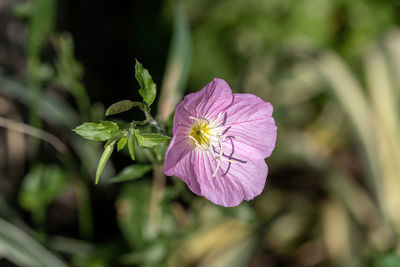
<point x="119" y="107"/>
<point x="103" y="160"/>
<point x="97" y="131"/>
<point x="53" y="109"/>
<point x="131" y="173"/>
<point x="113" y="138"/>
<point x="131" y="147"/>
<point x="148" y="89"/>
<point x="121" y="143"/>
<point x="149" y="139"/>
<point x="22" y="250"/>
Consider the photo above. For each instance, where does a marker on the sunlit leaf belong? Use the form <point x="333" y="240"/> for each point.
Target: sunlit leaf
<point x="150" y="139"/>
<point x="103" y="160"/>
<point x="148" y="89"/>
<point x="121" y="143"/>
<point x="131" y="173"/>
<point x="97" y="131"/>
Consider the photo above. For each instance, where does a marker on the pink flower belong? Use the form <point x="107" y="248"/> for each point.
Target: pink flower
<point x="219" y="144"/>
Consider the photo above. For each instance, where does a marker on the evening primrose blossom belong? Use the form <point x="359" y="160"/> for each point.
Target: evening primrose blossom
<point x="219" y="144"/>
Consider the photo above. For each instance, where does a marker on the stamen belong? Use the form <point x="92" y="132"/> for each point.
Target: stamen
<point x="230" y="160"/>
<point x="194" y="139"/>
<point x="205" y="133"/>
<point x="216" y="169"/>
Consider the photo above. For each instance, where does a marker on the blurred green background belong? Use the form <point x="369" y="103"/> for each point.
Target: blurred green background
<point x="331" y="69"/>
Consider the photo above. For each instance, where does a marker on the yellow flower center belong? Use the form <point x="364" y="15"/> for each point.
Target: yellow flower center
<point x="199" y="133"/>
<point x="208" y="136"/>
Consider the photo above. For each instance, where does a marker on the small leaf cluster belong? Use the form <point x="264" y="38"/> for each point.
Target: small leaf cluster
<point x="125" y="134"/>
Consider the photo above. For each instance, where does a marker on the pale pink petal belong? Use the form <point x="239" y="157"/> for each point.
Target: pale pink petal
<point x="185" y="170"/>
<point x="249" y="121"/>
<point x="178" y="159"/>
<point x="233" y="183"/>
<point x="250" y="175"/>
<point x="181" y="117"/>
<point x="206" y="103"/>
<point x="219" y="191"/>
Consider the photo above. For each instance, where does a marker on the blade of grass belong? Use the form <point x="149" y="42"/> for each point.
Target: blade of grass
<point x="21" y="249"/>
<point x="178" y="64"/>
<point x="349" y="94"/>
<point x="383" y="98"/>
<point x="52" y="108"/>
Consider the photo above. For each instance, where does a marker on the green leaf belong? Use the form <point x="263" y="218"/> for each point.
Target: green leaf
<point x="134" y="201"/>
<point x="103" y="160"/>
<point x="121" y="106"/>
<point x="121" y="143"/>
<point x="150" y="139"/>
<point x="131" y="173"/>
<point x="148" y="89"/>
<point x="97" y="131"/>
<point x="40" y="186"/>
<point x="131" y="147"/>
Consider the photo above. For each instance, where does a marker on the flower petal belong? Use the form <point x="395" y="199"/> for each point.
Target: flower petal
<point x="178" y="160"/>
<point x="249" y="121"/>
<point x="250" y="175"/>
<point x="206" y="103"/>
<point x="185" y="170"/>
<point x="219" y="191"/>
<point x="233" y="182"/>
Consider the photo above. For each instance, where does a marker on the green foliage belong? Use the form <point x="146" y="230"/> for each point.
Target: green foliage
<point x="121" y="143"/>
<point x="150" y="139"/>
<point x="390" y="260"/>
<point x="103" y="160"/>
<point x="40" y="186"/>
<point x="69" y="72"/>
<point x="41" y="16"/>
<point x="133" y="206"/>
<point x="113" y="133"/>
<point x="97" y="131"/>
<point x="148" y="89"/>
<point x="131" y="145"/>
<point x="22" y="250"/>
<point x="147" y="227"/>
<point x="131" y="173"/>
<point x="121" y="106"/>
<point x="42" y="22"/>
<point x="234" y="36"/>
